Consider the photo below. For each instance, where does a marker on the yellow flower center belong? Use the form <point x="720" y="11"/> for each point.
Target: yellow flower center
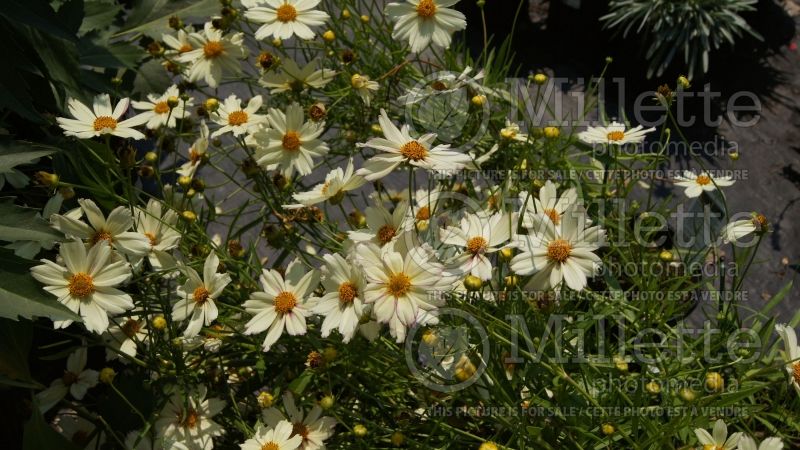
<point x="212" y="49"/>
<point x="796" y="372"/>
<point x="186" y="48"/>
<point x="358" y="81"/>
<point x="153" y="239"/>
<point x="80" y="285"/>
<point x="616" y="135"/>
<point x="713" y="447"/>
<point x="399" y="284"/>
<point x="424" y="213"/>
<point x="476" y="245"/>
<point x="131" y="327"/>
<point x="760" y="221"/>
<point x="286" y="13"/>
<point x="201" y="295"/>
<point x="385" y="234"/>
<point x="285" y="302"/>
<point x="161" y="108"/>
<point x="347" y="292"/>
<point x="554" y="216"/>
<point x="291" y="140"/>
<point x="237" y="118"/>
<point x="105" y="122"/>
<point x="270" y="446"/>
<point x="69" y="378"/>
<point x="191" y="419"/>
<point x="414" y="151"/>
<point x="426" y="9"/>
<point x="703" y="180"/>
<point x="101" y="235"/>
<point x="558" y="250"/>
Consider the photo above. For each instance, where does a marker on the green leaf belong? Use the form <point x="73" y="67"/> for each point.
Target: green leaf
<point x="15" y="345"/>
<point x="151" y="77"/>
<point x="15" y="153"/>
<point x="299" y="384"/>
<point x="37" y="434"/>
<point x="22" y="296"/>
<point x="119" y="55"/>
<point x="99" y="14"/>
<point x="150" y="17"/>
<point x="18" y="223"/>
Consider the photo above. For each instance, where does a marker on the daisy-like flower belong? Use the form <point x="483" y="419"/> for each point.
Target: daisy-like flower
<point x="290" y="141"/>
<point x="343" y="303"/>
<point x="283" y="19"/>
<point x="363" y="87"/>
<point x="557" y="253"/>
<point x="548" y="203"/>
<point x="336" y="184"/>
<point x="792" y="354"/>
<point x="78" y="430"/>
<point x="399" y="147"/>
<point x="313" y="429"/>
<point x="178" y="44"/>
<point x="702" y="182"/>
<point x="383" y="227"/>
<point x="719" y="440"/>
<point x="421" y="22"/>
<point x="124" y="336"/>
<point x="213" y="54"/>
<point x="197" y="153"/>
<point x="479" y="236"/>
<point x="158" y="111"/>
<point x="614" y="134"/>
<point x="86" y="284"/>
<point x="160" y="229"/>
<point x="290" y="77"/>
<point x="101" y="119"/>
<point x="402" y="285"/>
<point x="772" y="443"/>
<point x="76" y="381"/>
<point x="279" y="437"/>
<point x="735" y="231"/>
<point x="113" y="230"/>
<point x="283" y="304"/>
<point x="188" y="420"/>
<point x="199" y="296"/>
<point x="232" y="117"/>
<point x="512" y="132"/>
<point x="425" y="203"/>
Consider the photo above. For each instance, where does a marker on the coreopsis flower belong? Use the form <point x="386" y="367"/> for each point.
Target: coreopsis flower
<point x="197" y="152"/>
<point x="123" y="337"/>
<point x="290" y="141"/>
<point x="232" y="117"/>
<point x="383" y="227"/>
<point x="364" y="87"/>
<point x="213" y="54"/>
<point x="702" y="182"/>
<point x="283" y="303"/>
<point x="178" y="44"/>
<point x="548" y="203"/>
<point x="86" y="284"/>
<point x="188" y="420"/>
<point x="313" y="429"/>
<point x="421" y="22"/>
<point x="404" y="285"/>
<point x="76" y="381"/>
<point x="479" y="235"/>
<point x="279" y="437"/>
<point x="614" y="134"/>
<point x="556" y="253"/>
<point x="336" y="184"/>
<point x="78" y="430"/>
<point x="199" y="296"/>
<point x="158" y="111"/>
<point x="290" y="77"/>
<point x="425" y="203"/>
<point x="719" y="439"/>
<point x="512" y="132"/>
<point x="791" y="355"/>
<point x="113" y="230"/>
<point x="160" y="229"/>
<point x="283" y="19"/>
<point x="343" y="303"/>
<point x="735" y="231"/>
<point x="101" y="119"/>
<point x="771" y="443"/>
<point x="398" y="147"/>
